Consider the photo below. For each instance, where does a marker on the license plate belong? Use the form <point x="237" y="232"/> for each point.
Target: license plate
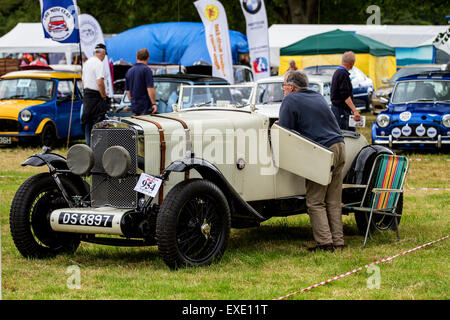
<point x="5" y="140"/>
<point x="86" y="219"/>
<point x="148" y="185"/>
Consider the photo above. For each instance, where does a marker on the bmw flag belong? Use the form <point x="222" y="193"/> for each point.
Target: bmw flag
<point x="258" y="37"/>
<point x="60" y="20"/>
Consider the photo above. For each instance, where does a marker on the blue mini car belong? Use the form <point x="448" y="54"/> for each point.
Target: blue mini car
<point x="418" y="113"/>
<point x="38" y="105"/>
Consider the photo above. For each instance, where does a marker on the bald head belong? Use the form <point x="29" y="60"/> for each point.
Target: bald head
<point x="348" y="59"/>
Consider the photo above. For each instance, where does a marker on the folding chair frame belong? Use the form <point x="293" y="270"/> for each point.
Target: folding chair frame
<point x="390" y="211"/>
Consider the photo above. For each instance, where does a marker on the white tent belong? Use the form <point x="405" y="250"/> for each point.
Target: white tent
<point x="282" y="35"/>
<point x="29" y="38"/>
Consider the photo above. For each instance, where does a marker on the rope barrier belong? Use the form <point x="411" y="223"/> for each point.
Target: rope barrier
<point x="360" y="268"/>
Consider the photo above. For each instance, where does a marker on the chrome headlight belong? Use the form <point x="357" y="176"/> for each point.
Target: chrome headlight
<point x="383" y="120"/>
<point x="25" y="115"/>
<point x="446" y="120"/>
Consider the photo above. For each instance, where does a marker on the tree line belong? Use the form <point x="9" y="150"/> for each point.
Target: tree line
<point x="119" y="15"/>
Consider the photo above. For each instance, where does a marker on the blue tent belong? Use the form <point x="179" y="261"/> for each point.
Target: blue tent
<point x="172" y="42"/>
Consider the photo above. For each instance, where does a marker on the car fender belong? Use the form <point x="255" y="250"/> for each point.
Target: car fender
<point x="55" y="161"/>
<point x="49" y="159"/>
<point x="241" y="210"/>
<point x="42" y="124"/>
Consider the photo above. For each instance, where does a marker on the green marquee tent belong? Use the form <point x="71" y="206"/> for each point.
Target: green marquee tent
<point x="374" y="58"/>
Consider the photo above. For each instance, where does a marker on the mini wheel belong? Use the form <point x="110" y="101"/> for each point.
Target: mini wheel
<point x="193" y="224"/>
<point x="48" y="136"/>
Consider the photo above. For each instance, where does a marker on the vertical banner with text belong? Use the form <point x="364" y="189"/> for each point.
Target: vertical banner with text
<point x="217" y="36"/>
<point x="90" y="35"/>
<point x="59" y="20"/>
<point x="258" y="37"/>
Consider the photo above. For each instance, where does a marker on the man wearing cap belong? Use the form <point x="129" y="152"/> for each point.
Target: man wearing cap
<point x="139" y="85"/>
<point x="95" y="101"/>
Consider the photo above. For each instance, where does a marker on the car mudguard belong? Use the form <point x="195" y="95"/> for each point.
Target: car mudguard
<point x="242" y="212"/>
<point x="56" y="164"/>
<point x="49" y="159"/>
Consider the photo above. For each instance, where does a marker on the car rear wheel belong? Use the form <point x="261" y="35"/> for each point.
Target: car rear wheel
<point x="29" y="218"/>
<point x="379" y="222"/>
<point x="193" y="224"/>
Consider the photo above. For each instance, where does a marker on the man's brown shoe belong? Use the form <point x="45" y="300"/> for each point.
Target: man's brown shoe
<point x="324" y="247"/>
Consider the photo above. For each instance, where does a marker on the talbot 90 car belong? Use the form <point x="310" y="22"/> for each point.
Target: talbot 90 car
<point x="418" y="114"/>
<point x="179" y="180"/>
<point x="37" y="105"/>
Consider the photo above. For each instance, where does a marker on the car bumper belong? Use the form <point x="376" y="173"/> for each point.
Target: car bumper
<point x="412" y="142"/>
<point x="14" y="137"/>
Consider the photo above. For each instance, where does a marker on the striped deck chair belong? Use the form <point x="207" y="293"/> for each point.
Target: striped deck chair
<point x="383" y="190"/>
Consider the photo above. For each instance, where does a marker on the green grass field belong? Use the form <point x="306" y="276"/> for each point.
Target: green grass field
<point x="259" y="263"/>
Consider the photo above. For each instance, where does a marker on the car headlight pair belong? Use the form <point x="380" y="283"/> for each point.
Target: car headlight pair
<point x="383" y="120"/>
<point x="26" y="115"/>
<point x="446" y="120"/>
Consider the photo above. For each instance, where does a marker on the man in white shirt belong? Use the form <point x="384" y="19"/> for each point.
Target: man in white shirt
<point x="95" y="101"/>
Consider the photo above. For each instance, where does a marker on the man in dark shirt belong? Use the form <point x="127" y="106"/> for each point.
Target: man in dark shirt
<point x="139" y="85"/>
<point x="342" y="92"/>
<point x="307" y="112"/>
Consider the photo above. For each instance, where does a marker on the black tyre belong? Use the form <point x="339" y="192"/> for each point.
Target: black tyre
<point x="48" y="136"/>
<point x="379" y="222"/>
<point x="30" y="213"/>
<point x="193" y="224"/>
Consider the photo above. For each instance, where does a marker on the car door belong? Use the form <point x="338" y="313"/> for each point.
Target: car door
<point x="68" y="110"/>
<point x="301" y="156"/>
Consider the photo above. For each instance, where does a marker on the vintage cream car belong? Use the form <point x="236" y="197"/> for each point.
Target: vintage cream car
<point x="179" y="181"/>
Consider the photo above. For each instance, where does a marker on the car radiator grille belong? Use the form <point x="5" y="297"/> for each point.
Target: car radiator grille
<point x="105" y="190"/>
<point x="10" y="126"/>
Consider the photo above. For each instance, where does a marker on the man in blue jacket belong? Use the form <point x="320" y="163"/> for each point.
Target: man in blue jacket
<point x="308" y="113"/>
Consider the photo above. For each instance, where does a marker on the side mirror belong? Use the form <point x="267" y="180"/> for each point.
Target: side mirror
<point x="175" y="107"/>
<point x="384" y="100"/>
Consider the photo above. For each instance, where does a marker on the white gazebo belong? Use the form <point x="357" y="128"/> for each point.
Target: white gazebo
<point x="29" y="38"/>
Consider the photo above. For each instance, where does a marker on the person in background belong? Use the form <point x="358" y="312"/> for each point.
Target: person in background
<point x="139" y="85"/>
<point x="342" y="93"/>
<point x="95" y="100"/>
<point x="307" y="112"/>
<point x="292" y="65"/>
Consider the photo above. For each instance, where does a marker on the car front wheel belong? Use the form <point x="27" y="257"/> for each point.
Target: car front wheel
<point x="193" y="224"/>
<point x="30" y="212"/>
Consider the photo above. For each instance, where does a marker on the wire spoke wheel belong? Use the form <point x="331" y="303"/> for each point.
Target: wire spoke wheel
<point x="193" y="224"/>
<point x="30" y="214"/>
